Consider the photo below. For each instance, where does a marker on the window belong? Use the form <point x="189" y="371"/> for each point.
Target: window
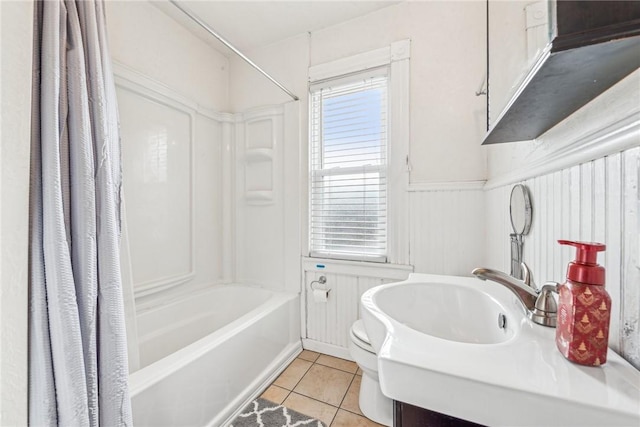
<point x="348" y="156"/>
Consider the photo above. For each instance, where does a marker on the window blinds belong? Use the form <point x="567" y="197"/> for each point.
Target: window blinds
<point x="348" y="195"/>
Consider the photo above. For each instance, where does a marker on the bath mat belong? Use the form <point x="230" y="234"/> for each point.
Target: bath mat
<point x="263" y="413"/>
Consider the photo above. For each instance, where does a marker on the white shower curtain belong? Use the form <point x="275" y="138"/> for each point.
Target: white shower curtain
<point x="78" y="374"/>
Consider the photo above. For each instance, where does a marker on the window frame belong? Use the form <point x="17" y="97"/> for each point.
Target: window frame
<point x="396" y="57"/>
<point x="359" y="253"/>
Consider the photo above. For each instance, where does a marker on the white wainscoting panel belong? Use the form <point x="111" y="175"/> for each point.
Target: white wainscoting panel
<point x="447" y="226"/>
<point x="593" y="201"/>
<point x="157" y="151"/>
<point x="326" y="324"/>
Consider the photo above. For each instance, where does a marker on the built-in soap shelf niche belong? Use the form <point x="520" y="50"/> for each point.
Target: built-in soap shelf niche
<point x="262" y="132"/>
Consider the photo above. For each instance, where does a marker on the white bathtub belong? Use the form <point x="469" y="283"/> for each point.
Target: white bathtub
<point x="203" y="357"/>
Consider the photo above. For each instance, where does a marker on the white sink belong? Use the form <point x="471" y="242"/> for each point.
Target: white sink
<point x="447" y="311"/>
<point x="440" y="347"/>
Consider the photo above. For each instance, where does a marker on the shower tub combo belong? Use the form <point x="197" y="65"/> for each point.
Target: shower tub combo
<point x="205" y="355"/>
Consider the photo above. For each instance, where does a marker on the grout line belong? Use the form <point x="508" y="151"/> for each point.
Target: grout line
<point x="355" y="413"/>
<point x="296" y="384"/>
<point x="317" y="400"/>
<point x="305" y="373"/>
<point x="329" y="366"/>
<point x="339" y="407"/>
<point x="312" y="361"/>
<point x="338" y="369"/>
<point x="347" y="392"/>
<point x="286" y="397"/>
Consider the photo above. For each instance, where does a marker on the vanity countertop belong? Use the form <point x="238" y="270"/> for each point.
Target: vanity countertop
<point x="522" y="381"/>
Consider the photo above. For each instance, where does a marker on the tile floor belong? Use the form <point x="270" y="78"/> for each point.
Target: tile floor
<point x="323" y="387"/>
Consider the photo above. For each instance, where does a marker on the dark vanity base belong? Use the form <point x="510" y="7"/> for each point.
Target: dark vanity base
<point x="405" y="415"/>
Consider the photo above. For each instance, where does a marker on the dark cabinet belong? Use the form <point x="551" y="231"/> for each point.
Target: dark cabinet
<point x="405" y="415"/>
<point x="592" y="45"/>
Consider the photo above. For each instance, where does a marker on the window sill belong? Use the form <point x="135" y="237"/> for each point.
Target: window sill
<point x="361" y="268"/>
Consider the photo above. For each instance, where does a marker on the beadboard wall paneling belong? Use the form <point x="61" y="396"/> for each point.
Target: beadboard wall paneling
<point x="447" y="229"/>
<point x="630" y="283"/>
<point x="328" y="323"/>
<point x="593" y="201"/>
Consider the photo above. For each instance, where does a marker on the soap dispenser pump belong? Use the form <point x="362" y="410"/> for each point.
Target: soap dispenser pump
<point x="584" y="308"/>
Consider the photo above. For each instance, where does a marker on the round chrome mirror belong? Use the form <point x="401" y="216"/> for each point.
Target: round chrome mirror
<point x="520" y="209"/>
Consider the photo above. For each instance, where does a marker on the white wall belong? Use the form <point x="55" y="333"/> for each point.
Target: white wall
<point x="507" y="52"/>
<point x="287" y="61"/>
<point x="145" y="39"/>
<point x="447" y="229"/>
<point x="447" y="67"/>
<point x="447" y="122"/>
<point x="448" y="61"/>
<point x="172" y="89"/>
<point x="16" y="26"/>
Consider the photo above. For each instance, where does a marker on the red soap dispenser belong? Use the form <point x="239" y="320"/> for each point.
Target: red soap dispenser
<point x="584" y="308"/>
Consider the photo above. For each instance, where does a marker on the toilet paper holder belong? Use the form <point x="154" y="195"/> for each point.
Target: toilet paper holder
<point x="321" y="281"/>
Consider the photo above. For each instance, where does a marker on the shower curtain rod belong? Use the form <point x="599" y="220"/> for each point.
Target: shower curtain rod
<point x="225" y="42"/>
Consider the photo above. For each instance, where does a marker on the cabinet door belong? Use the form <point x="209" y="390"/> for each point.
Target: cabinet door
<point x="405" y="415"/>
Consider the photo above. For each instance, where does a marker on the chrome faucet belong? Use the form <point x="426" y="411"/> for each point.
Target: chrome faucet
<point x="527" y="277"/>
<point x="540" y="305"/>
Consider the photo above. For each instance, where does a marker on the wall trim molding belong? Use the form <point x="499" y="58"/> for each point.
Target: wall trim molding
<point x="357" y="268"/>
<point x="325" y="348"/>
<point x="397" y="169"/>
<point x="158" y="285"/>
<point x="171" y="294"/>
<point x="613" y="138"/>
<point x="132" y="79"/>
<point x="446" y="186"/>
<point x="258" y="113"/>
<point x="397" y="51"/>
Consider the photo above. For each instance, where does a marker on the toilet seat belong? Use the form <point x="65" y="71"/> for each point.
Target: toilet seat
<point x="359" y="336"/>
<point x="373" y="403"/>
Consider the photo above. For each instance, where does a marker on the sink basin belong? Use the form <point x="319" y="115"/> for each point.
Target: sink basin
<point x="440" y="347"/>
<point x="447" y="311"/>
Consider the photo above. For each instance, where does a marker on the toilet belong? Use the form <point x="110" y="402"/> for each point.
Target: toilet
<point x="373" y="404"/>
